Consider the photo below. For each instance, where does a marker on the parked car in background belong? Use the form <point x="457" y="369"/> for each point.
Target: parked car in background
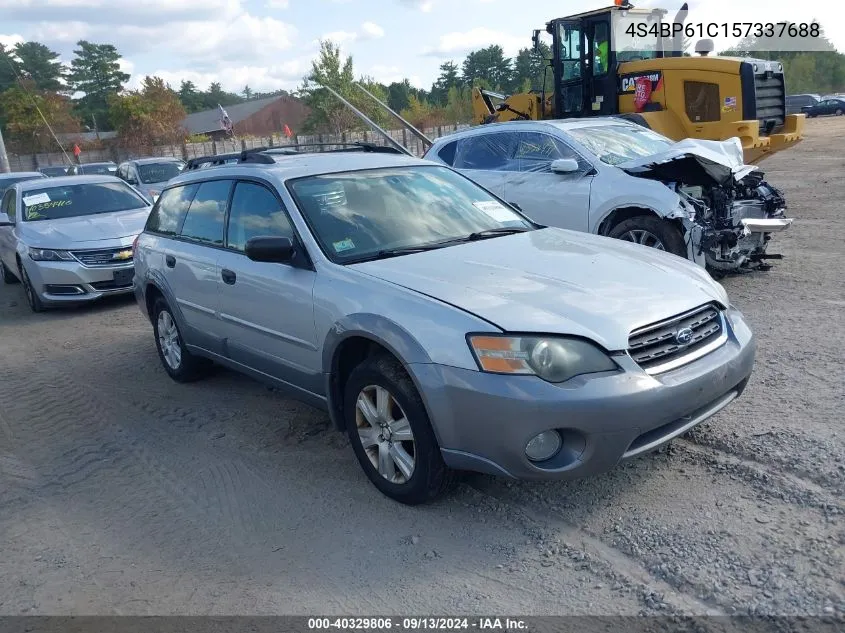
<point x="69" y="240"/>
<point x="437" y="325"/>
<point x="796" y="103"/>
<point x="149" y="175"/>
<point x="107" y="168"/>
<point x="825" y="107"/>
<point x="54" y="171"/>
<point x="608" y="176"/>
<point x="7" y="180"/>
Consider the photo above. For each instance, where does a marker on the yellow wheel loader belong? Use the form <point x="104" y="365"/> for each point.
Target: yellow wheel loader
<point x="629" y="62"/>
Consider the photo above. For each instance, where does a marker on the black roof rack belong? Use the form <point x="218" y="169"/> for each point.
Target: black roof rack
<point x="264" y="155"/>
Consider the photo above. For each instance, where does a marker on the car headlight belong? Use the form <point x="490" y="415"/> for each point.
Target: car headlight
<point x="554" y="359"/>
<point x="47" y="255"/>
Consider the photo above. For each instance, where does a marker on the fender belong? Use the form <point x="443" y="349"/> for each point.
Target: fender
<point x="156" y="279"/>
<point x="385" y="332"/>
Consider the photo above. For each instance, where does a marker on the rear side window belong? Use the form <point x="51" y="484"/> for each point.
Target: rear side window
<point x="168" y="213"/>
<point x="702" y="101"/>
<point x="255" y="212"/>
<point x="8" y="206"/>
<point x="490" y="152"/>
<point x="447" y="152"/>
<point x="206" y="216"/>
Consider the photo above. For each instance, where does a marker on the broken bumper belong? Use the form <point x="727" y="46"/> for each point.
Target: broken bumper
<point x="767" y="225"/>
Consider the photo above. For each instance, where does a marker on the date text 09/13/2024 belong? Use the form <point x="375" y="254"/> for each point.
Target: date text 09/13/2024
<point x="416" y="623"/>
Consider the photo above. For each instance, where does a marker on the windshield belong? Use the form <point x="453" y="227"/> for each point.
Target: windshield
<point x="357" y="215"/>
<point x="99" y="170"/>
<point x="158" y="172"/>
<point x="69" y="201"/>
<point x="5" y="183"/>
<point x="615" y="144"/>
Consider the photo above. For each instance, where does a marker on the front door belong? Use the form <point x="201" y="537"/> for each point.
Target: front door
<point x="552" y="199"/>
<point x="267" y="309"/>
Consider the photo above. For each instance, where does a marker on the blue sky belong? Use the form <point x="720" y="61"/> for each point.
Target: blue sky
<point x="269" y="44"/>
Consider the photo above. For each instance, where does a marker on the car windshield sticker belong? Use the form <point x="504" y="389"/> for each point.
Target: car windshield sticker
<point x="343" y="245"/>
<point x="33" y="211"/>
<point x="39" y="198"/>
<point x="495" y="210"/>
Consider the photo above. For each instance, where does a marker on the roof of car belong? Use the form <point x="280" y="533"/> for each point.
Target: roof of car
<point x="298" y="166"/>
<point x="155" y="159"/>
<point x="21" y="174"/>
<point x="62" y="181"/>
<point x="561" y="124"/>
<point x="99" y="162"/>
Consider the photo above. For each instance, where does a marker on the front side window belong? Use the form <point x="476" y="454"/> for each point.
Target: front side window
<point x="158" y="172"/>
<point x="255" y="212"/>
<point x="368" y="214"/>
<point x="536" y="151"/>
<point x="206" y="216"/>
<point x="615" y="144"/>
<point x="488" y="152"/>
<point x="68" y="201"/>
<point x="702" y="101"/>
<point x="170" y="209"/>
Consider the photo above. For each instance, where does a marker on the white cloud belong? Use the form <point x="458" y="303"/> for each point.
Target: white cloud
<point x="8" y="41"/>
<point x="458" y="43"/>
<point x="106" y="11"/>
<point x="284" y="76"/>
<point x="340" y="37"/>
<point x="372" y="30"/>
<point x="423" y="5"/>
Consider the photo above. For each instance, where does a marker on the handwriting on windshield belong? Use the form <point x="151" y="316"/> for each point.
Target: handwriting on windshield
<point x="34" y="212"/>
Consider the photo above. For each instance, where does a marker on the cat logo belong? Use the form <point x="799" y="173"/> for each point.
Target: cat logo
<point x="123" y="255"/>
<point x="629" y="82"/>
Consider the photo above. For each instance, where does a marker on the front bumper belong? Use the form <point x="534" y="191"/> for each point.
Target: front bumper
<point x="71" y="282"/>
<point x="484" y="421"/>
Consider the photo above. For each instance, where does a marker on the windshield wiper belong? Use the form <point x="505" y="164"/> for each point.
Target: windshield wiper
<point x="500" y="230"/>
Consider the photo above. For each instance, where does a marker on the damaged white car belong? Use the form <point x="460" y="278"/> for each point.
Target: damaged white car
<point x="611" y="177"/>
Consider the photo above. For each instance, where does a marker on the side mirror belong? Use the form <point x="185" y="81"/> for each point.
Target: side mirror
<point x="131" y="180"/>
<point x="564" y="165"/>
<point x="275" y="250"/>
<point x="5" y="221"/>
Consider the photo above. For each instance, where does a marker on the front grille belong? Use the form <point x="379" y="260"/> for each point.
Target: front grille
<point x="771" y="100"/>
<point x="658" y="347"/>
<point x="111" y="285"/>
<point x="103" y="257"/>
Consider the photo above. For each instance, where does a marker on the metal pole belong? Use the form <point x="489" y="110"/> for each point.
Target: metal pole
<point x="4" y="159"/>
<point x="407" y="124"/>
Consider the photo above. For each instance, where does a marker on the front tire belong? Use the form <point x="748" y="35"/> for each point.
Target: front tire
<point x="178" y="362"/>
<point x="838" y="112"/>
<point x="653" y="232"/>
<point x="8" y="275"/>
<point x="32" y="298"/>
<point x="391" y="434"/>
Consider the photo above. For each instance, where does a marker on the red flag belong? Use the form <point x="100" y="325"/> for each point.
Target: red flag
<point x="76" y="150"/>
<point x="642" y="93"/>
<point x="288" y="133"/>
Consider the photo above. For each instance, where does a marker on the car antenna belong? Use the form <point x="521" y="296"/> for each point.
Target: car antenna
<point x="405" y="122"/>
<point x="370" y="122"/>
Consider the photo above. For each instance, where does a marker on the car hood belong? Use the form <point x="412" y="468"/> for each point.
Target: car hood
<point x="693" y="162"/>
<point x="556" y="281"/>
<point x="89" y="231"/>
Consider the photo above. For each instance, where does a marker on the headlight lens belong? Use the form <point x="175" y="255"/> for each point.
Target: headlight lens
<point x="47" y="255"/>
<point x="554" y="359"/>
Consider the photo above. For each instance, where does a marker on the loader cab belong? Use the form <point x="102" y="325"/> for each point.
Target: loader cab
<point x="587" y="50"/>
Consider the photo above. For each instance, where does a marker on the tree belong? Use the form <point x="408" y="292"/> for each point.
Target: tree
<point x="530" y="66"/>
<point x="449" y="77"/>
<point x="215" y="95"/>
<point x="247" y="93"/>
<point x="9" y="69"/>
<point x="489" y="64"/>
<point x="327" y="113"/>
<point x="191" y="98"/>
<point x="41" y="65"/>
<point x="149" y="116"/>
<point x="26" y="130"/>
<point x="399" y="95"/>
<point x="95" y="71"/>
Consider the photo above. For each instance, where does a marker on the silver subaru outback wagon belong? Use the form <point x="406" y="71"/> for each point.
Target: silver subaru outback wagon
<point x="438" y="326"/>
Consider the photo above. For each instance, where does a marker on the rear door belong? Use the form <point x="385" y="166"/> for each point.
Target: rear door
<point x="553" y="199"/>
<point x="487" y="158"/>
<point x="267" y="309"/>
<point x="8" y="244"/>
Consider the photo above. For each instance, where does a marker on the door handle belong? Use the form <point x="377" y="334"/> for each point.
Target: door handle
<point x="170" y="261"/>
<point x="229" y="276"/>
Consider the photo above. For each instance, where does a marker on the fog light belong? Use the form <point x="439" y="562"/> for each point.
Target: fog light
<point x="544" y="446"/>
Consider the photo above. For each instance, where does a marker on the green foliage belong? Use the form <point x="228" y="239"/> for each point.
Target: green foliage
<point x="40" y="65"/>
<point x="26" y="130"/>
<point x="491" y="65"/>
<point x="149" y="116"/>
<point x="95" y="71"/>
<point x="529" y="69"/>
<point x="9" y="67"/>
<point x="448" y="79"/>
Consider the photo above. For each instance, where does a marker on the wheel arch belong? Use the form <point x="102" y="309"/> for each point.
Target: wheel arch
<point x="622" y="213"/>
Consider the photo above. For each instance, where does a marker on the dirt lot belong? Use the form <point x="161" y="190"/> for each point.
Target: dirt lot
<point x="124" y="493"/>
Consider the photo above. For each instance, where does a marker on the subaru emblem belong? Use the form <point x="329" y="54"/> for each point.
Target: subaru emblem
<point x="683" y="336"/>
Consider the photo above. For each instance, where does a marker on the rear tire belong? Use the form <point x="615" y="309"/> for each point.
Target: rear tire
<point x="838" y="112"/>
<point x="651" y="231"/>
<point x="178" y="362"/>
<point x="8" y="275"/>
<point x="401" y="457"/>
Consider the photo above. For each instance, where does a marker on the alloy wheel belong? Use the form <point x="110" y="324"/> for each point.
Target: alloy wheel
<point x="385" y="434"/>
<point x="646" y="238"/>
<point x="168" y="339"/>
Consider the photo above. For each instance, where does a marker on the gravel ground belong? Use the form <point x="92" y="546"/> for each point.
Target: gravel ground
<point x="122" y="492"/>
